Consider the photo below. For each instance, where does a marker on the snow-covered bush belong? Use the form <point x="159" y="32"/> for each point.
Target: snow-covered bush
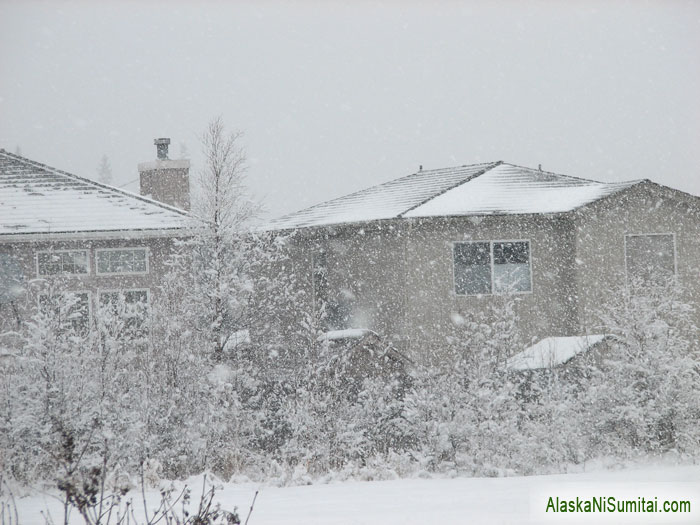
<point x="645" y="397"/>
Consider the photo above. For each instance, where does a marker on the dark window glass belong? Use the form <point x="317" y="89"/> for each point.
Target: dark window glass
<point x="511" y="252"/>
<point x="472" y="268"/>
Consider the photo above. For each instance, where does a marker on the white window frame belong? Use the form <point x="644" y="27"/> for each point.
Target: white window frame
<point x="74" y="292"/>
<point x="491" y="243"/>
<point x="124" y="248"/>
<point x="656" y="234"/>
<point x="62" y="274"/>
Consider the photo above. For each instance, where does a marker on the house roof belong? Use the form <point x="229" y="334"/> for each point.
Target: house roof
<point x="553" y="351"/>
<point x="39" y="199"/>
<point x="495" y="188"/>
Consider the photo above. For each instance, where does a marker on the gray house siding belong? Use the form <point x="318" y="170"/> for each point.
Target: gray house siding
<point x="397" y="277"/>
<point x="600" y="243"/>
<point x="548" y="309"/>
<point x="364" y="274"/>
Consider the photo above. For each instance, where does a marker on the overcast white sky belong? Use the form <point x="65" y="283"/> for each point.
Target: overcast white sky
<point x="333" y="97"/>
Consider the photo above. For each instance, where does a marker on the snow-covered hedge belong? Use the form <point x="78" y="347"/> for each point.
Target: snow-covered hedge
<point x="108" y="399"/>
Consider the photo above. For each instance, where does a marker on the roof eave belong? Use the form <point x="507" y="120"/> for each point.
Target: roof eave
<point x="145" y="233"/>
<point x="402" y="219"/>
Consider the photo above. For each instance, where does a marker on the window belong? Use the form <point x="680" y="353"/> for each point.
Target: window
<point x="128" y="296"/>
<point x="511" y="267"/>
<point x="472" y="262"/>
<point x="334" y="308"/>
<point x="122" y="260"/>
<point x="650" y="259"/>
<point x="128" y="306"/>
<point x="484" y="267"/>
<point x="11" y="279"/>
<point x="71" y="310"/>
<point x="62" y="262"/>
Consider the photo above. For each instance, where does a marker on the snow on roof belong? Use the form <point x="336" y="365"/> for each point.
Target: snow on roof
<point x="384" y="201"/>
<point x="552" y="351"/>
<point x="493" y="188"/>
<point x="35" y="198"/>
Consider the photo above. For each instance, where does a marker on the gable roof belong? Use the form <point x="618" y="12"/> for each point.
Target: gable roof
<point x="39" y="199"/>
<point x="495" y="188"/>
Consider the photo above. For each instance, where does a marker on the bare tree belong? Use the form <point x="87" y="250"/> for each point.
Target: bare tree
<point x="225" y="213"/>
<point x="104" y="171"/>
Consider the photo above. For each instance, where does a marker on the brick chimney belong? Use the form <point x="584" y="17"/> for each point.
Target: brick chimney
<point x="165" y="180"/>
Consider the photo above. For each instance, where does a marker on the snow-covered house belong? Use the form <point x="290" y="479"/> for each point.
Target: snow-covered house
<point x="64" y="233"/>
<point x="407" y="258"/>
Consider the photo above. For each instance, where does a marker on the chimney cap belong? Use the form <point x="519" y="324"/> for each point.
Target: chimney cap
<point x="162" y="147"/>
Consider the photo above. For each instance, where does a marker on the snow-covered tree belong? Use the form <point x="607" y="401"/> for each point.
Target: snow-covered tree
<point x="220" y="242"/>
<point x="645" y="396"/>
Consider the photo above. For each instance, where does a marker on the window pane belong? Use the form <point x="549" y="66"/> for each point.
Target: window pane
<point x="511" y="278"/>
<point x="511" y="267"/>
<point x="11" y="279"/>
<point x="472" y="267"/>
<point x="135" y="296"/>
<point x="511" y="252"/>
<point x="650" y="259"/>
<point x="139" y="262"/>
<point x="79" y="315"/>
<point x="70" y="262"/>
<point x="71" y="310"/>
<point x="66" y="260"/>
<point x="80" y="262"/>
<point x="102" y="262"/>
<point x="108" y="298"/>
<point x="122" y="261"/>
<point x="128" y="306"/>
<point x="44" y="258"/>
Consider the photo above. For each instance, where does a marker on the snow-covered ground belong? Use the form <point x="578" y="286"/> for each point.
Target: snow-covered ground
<point x="443" y="501"/>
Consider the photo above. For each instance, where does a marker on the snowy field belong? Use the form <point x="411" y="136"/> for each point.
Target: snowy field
<point x="443" y="501"/>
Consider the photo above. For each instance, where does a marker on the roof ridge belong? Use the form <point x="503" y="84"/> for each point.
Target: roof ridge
<point x="57" y="171"/>
<point x="471" y="177"/>
<point x="567" y="176"/>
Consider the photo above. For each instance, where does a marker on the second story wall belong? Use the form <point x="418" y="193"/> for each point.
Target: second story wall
<point x="543" y="307"/>
<point x="647" y="226"/>
<point x="398" y="277"/>
<point x="91" y="266"/>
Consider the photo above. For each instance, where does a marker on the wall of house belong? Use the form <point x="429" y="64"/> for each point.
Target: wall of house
<point x="548" y="310"/>
<point x="365" y="271"/>
<point x="600" y="244"/>
<point x="396" y="277"/>
<point x="26" y="254"/>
